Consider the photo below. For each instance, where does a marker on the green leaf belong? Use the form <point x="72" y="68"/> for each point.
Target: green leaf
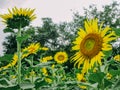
<point x="40" y="84"/>
<point x="107" y="54"/>
<point x="44" y="64"/>
<point x="6" y="30"/>
<point x="117" y="31"/>
<point x="4" y="82"/>
<point x="97" y="77"/>
<point x="117" y="85"/>
<point x="28" y="61"/>
<point x="102" y="68"/>
<point x="27" y="86"/>
<point x="15" y="87"/>
<point x="22" y="38"/>
<point x="107" y="83"/>
<point x="6" y="57"/>
<point x="114" y="72"/>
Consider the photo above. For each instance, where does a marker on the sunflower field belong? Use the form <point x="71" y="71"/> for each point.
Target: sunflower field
<point x="89" y="61"/>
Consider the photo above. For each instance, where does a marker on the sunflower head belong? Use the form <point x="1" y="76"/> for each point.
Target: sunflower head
<point x="109" y="76"/>
<point x="91" y="44"/>
<point x="17" y="18"/>
<point x="80" y="77"/>
<point x="45" y="59"/>
<point x="61" y="57"/>
<point x="12" y="63"/>
<point x="48" y="80"/>
<point x="117" y="57"/>
<point x="44" y="71"/>
<point x="31" y="49"/>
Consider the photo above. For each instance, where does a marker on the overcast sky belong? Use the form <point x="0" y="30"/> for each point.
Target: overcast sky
<point x="58" y="10"/>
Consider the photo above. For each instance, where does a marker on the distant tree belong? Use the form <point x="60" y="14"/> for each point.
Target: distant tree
<point x="110" y="15"/>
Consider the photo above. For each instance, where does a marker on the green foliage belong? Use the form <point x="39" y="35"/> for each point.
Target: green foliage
<point x="97" y="77"/>
<point x="22" y="38"/>
<point x="10" y="30"/>
<point x="117" y="31"/>
<point x="6" y="59"/>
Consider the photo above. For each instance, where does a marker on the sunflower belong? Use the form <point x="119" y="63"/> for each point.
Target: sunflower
<point x="12" y="63"/>
<point x="117" y="57"/>
<point x="45" y="59"/>
<point x="44" y="48"/>
<point x="80" y="77"/>
<point x="91" y="44"/>
<point x="61" y="57"/>
<point x="109" y="76"/>
<point x="48" y="80"/>
<point x="17" y="18"/>
<point x="32" y="73"/>
<point x="31" y="49"/>
<point x="44" y="71"/>
<point x="15" y="59"/>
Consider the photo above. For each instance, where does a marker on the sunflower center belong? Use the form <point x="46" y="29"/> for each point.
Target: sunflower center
<point x="91" y="45"/>
<point x="32" y="49"/>
<point x="60" y="57"/>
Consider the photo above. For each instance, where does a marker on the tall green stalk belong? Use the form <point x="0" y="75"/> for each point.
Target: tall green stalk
<point x="32" y="81"/>
<point x="19" y="55"/>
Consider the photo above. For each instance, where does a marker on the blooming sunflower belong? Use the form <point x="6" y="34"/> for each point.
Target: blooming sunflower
<point x="17" y="18"/>
<point x="117" y="57"/>
<point x="61" y="57"/>
<point x="31" y="49"/>
<point x="91" y="44"/>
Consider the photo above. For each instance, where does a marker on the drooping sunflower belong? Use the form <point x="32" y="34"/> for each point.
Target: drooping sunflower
<point x="45" y="59"/>
<point x="44" y="48"/>
<point x="91" y="44"/>
<point x="80" y="77"/>
<point x="12" y="63"/>
<point x="17" y="18"/>
<point x="61" y="57"/>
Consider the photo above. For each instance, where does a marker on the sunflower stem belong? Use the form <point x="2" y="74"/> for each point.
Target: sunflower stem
<point x="19" y="55"/>
<point x="32" y="70"/>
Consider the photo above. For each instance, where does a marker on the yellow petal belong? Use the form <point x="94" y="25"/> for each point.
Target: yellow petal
<point x="106" y="47"/>
<point x="82" y="33"/>
<point x="104" y="31"/>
